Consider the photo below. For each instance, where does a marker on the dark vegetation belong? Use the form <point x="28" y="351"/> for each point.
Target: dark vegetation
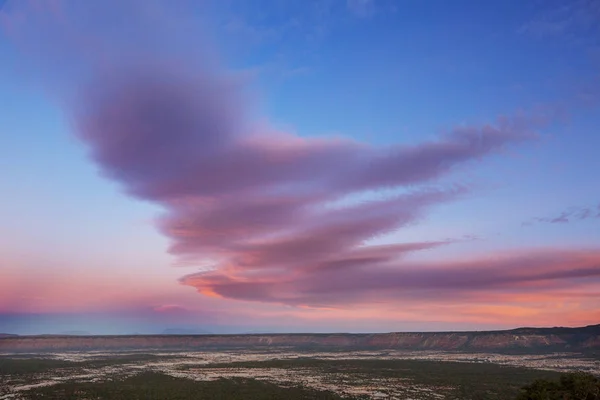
<point x="456" y="380"/>
<point x="155" y="386"/>
<point x="27" y="366"/>
<point x="474" y="381"/>
<point x="574" y="386"/>
<point x="22" y="365"/>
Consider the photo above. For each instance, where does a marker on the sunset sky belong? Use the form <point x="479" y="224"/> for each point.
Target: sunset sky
<point x="298" y="166"/>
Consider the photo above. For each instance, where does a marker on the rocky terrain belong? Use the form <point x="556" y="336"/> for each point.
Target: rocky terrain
<point x="526" y="340"/>
<point x="351" y="375"/>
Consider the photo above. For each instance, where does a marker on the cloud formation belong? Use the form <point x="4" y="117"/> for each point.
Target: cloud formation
<point x="159" y="116"/>
<point x="573" y="20"/>
<point x="570" y="215"/>
<point x="381" y="275"/>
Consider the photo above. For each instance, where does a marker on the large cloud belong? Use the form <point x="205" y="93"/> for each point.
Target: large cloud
<point x="161" y="118"/>
<point x="375" y="274"/>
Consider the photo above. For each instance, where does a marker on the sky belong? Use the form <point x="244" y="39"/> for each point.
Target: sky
<point x="298" y="166"/>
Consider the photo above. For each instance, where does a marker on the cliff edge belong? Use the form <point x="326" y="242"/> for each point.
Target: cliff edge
<point x="525" y="340"/>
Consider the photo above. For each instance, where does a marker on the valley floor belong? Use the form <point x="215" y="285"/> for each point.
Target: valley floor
<point x="278" y="373"/>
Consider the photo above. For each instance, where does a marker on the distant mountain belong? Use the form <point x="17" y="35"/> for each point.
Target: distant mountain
<point x="183" y="331"/>
<point x="557" y="330"/>
<point x="75" y="333"/>
<point x="521" y="340"/>
<point x="6" y="335"/>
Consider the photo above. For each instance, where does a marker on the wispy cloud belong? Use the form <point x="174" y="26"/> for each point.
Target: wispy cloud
<point x="577" y="21"/>
<point x="570" y="215"/>
<point x="386" y="278"/>
<point x="161" y="117"/>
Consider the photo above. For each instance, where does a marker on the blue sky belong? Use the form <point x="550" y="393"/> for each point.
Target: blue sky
<point x="380" y="72"/>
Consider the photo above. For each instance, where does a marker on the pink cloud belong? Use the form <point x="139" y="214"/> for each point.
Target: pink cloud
<point x="161" y="118"/>
<point x="393" y="280"/>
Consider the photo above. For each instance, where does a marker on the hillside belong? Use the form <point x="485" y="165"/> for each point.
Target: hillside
<point x="529" y="340"/>
<point x="5" y="335"/>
